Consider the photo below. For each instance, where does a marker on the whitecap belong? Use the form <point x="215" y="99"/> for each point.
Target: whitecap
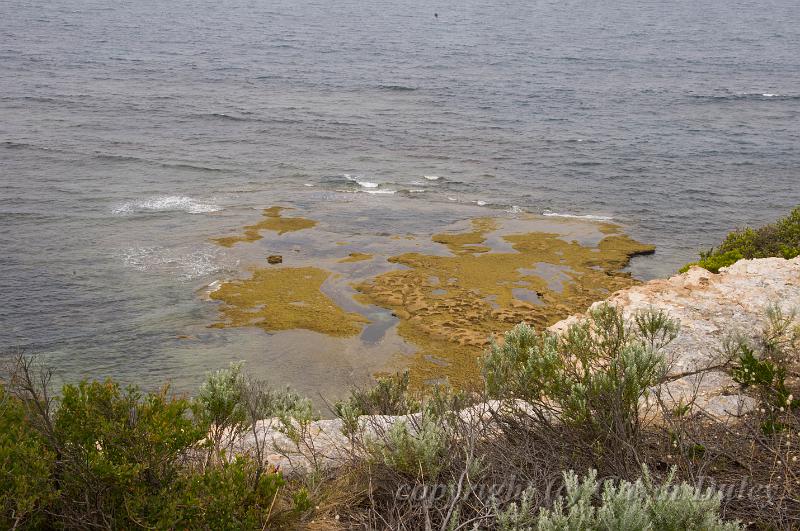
<point x="166" y="203"/>
<point x="214" y="286"/>
<point x="358" y="179"/>
<point x="380" y="192"/>
<point x="480" y="202"/>
<point x="515" y="210"/>
<point x="308" y="184"/>
<point x="431" y="177"/>
<point x="594" y="217"/>
<point x="416" y="190"/>
<point x="185" y="265"/>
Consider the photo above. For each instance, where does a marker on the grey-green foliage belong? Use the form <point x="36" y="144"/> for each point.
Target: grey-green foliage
<point x="295" y="414"/>
<point x="516" y="516"/>
<point x="599" y="367"/>
<point x="219" y="400"/>
<point x="417" y="451"/>
<point x="389" y="396"/>
<point x="780" y="338"/>
<point x="588" y="505"/>
<point x="230" y="403"/>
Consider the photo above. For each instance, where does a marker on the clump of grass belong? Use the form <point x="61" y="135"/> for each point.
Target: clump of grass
<point x="779" y="239"/>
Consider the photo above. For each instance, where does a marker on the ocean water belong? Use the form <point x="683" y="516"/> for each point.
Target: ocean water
<point x="132" y="133"/>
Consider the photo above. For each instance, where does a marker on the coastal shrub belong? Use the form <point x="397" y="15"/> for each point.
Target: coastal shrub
<point x="589" y="504"/>
<point x="780" y="239"/>
<point x="26" y="466"/>
<point x="780" y="338"/>
<point x="764" y="369"/>
<point x="389" y="396"/>
<point x="714" y="262"/>
<point x="414" y="452"/>
<point x="590" y="379"/>
<point x="100" y="455"/>
<point x="231" y="497"/>
<point x="121" y="451"/>
<point x="219" y="405"/>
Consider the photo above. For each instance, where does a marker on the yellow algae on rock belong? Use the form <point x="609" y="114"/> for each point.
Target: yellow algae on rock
<point x="450" y="305"/>
<point x="272" y="221"/>
<point x="284" y="299"/>
<point x="356" y="257"/>
<point x="468" y="242"/>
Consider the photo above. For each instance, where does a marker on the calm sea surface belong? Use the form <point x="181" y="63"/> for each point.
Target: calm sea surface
<point x="132" y="132"/>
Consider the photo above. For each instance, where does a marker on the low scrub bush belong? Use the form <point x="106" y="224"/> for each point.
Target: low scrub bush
<point x="590" y="379"/>
<point x="389" y="396"/>
<point x="780" y="239"/>
<point x="588" y="504"/>
<point x="100" y="455"/>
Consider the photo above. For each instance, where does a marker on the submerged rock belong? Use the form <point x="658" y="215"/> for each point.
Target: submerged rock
<point x="284" y="299"/>
<point x="449" y="305"/>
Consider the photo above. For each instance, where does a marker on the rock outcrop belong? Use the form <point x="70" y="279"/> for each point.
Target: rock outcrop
<point x="709" y="307"/>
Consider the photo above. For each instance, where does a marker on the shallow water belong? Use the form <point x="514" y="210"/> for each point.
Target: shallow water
<point x="132" y="134"/>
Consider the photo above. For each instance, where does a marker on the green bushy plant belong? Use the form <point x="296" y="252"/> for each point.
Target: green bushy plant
<point x="123" y="450"/>
<point x="101" y="455"/>
<point x="714" y="262"/>
<point x="232" y="496"/>
<point x="767" y="378"/>
<point x="26" y="465"/>
<point x="220" y="407"/>
<point x="780" y="239"/>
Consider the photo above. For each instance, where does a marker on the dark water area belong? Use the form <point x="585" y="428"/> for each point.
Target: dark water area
<point x="132" y="133"/>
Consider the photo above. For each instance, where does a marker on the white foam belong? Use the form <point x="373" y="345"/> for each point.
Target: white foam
<point x="515" y="210"/>
<point x="594" y="217"/>
<point x="480" y="202"/>
<point x="416" y="190"/>
<point x="381" y="192"/>
<point x="186" y="265"/>
<point x="358" y="180"/>
<point x="431" y="177"/>
<point x="768" y="95"/>
<point x="166" y="203"/>
<point x="452" y="199"/>
<point x="308" y="184"/>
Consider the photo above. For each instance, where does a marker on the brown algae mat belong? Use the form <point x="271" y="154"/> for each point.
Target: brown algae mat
<point x="448" y="305"/>
<point x="274" y="221"/>
<point x="285" y="299"/>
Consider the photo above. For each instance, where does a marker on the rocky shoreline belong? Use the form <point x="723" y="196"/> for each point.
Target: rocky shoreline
<point x="709" y="307"/>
